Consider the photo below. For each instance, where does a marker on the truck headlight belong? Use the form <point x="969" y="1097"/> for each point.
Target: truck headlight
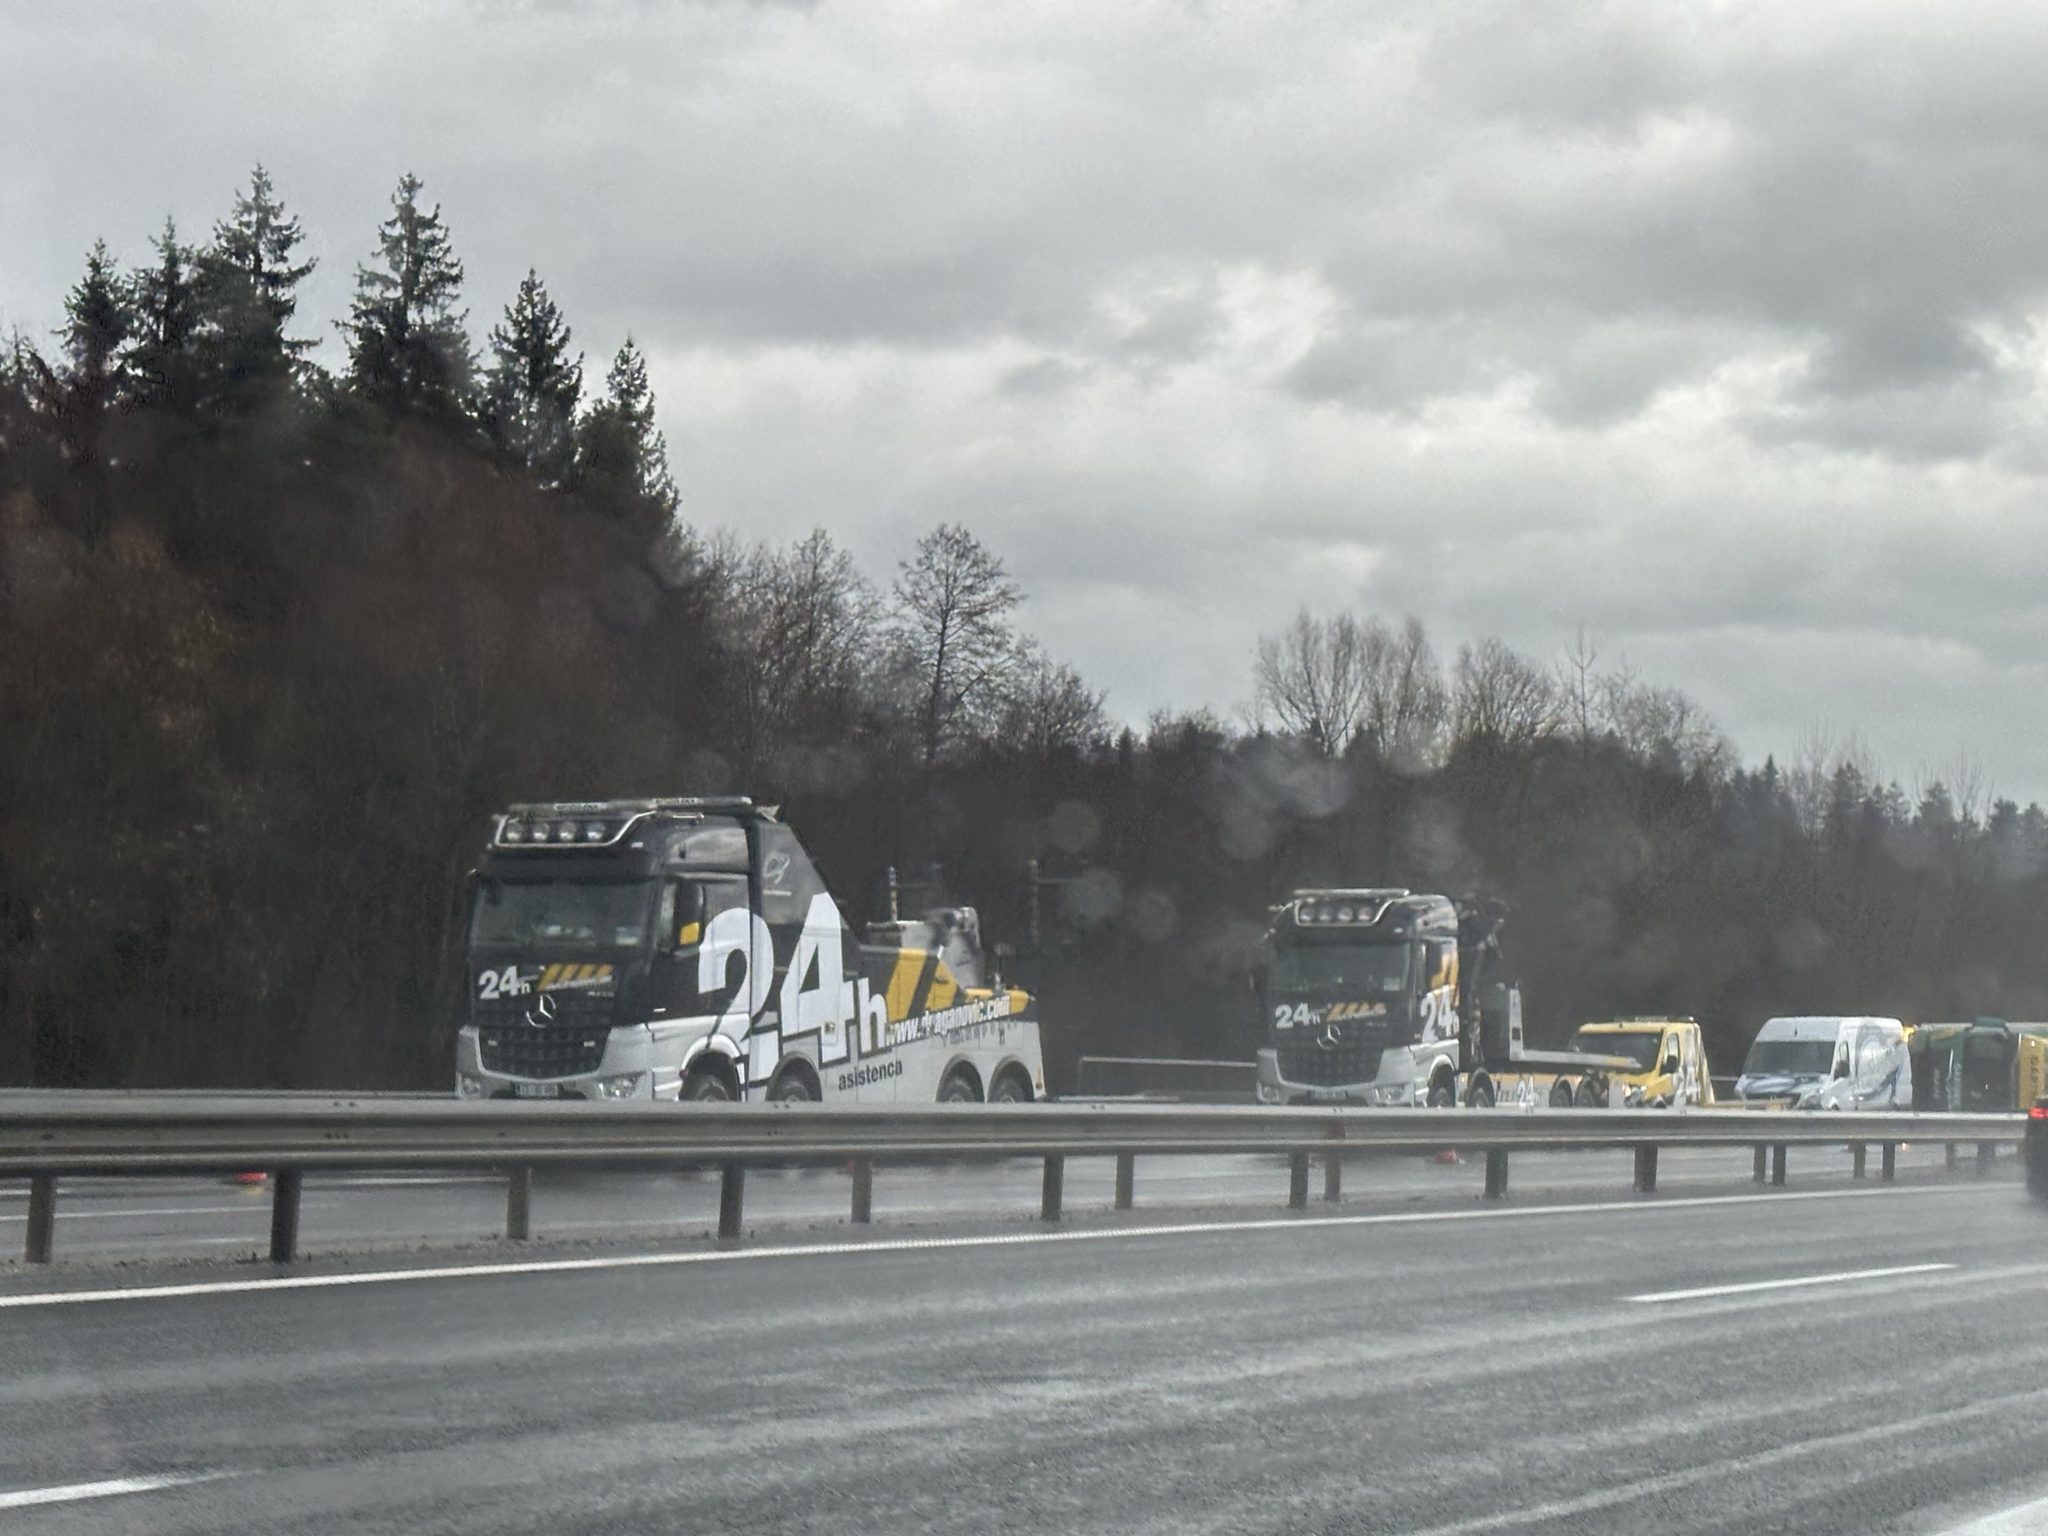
<point x="625" y="1086"/>
<point x="468" y="1086"/>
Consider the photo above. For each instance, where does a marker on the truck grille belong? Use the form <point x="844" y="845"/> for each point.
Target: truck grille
<point x="554" y="1050"/>
<point x="1354" y="1059"/>
<point x="570" y="1044"/>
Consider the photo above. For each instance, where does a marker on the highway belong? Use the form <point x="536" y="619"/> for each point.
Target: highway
<point x="1831" y="1357"/>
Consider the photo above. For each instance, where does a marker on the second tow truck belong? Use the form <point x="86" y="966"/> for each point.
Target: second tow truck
<point x="1380" y="995"/>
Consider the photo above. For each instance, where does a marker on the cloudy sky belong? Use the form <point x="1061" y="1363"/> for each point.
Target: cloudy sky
<point x="1710" y="327"/>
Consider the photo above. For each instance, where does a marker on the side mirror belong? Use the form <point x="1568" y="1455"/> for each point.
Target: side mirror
<point x="1670" y="1065"/>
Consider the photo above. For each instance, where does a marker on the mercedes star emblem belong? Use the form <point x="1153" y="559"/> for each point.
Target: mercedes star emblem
<point x="542" y="1013"/>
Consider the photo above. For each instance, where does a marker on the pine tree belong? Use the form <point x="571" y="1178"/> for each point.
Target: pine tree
<point x="98" y="321"/>
<point x="163" y="357"/>
<point x="621" y="457"/>
<point x="408" y="349"/>
<point x="249" y="284"/>
<point x="530" y="397"/>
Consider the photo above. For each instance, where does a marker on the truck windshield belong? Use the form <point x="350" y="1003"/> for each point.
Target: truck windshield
<point x="1793" y="1056"/>
<point x="1639" y="1046"/>
<point x="1353" y="967"/>
<point x="527" y="915"/>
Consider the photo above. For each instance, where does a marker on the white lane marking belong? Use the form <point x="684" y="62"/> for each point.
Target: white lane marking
<point x="1663" y="1484"/>
<point x="1748" y="1287"/>
<point x="252" y="1209"/>
<point x="2029" y="1519"/>
<point x="72" y="1493"/>
<point x="937" y="1244"/>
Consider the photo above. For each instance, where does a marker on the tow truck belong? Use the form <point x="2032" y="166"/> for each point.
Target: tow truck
<point x="1668" y="1060"/>
<point x="1381" y="995"/>
<point x="690" y="949"/>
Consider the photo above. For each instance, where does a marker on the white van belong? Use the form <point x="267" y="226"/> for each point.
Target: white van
<point x="1829" y="1063"/>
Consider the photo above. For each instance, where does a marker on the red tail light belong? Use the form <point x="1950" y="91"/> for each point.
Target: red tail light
<point x="2038" y="1112"/>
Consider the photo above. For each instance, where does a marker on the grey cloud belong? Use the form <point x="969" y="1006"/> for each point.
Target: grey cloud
<point x="1711" y="327"/>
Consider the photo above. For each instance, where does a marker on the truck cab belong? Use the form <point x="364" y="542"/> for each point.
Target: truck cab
<point x="1359" y="990"/>
<point x="666" y="949"/>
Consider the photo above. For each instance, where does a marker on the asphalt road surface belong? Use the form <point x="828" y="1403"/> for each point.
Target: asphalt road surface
<point x="1832" y="1357"/>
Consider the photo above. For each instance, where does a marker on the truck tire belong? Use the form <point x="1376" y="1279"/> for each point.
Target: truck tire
<point x="1561" y="1094"/>
<point x="1443" y="1094"/>
<point x="1480" y="1095"/>
<point x="1588" y="1095"/>
<point x="1011" y="1087"/>
<point x="794" y="1086"/>
<point x="707" y="1086"/>
<point x="958" y="1088"/>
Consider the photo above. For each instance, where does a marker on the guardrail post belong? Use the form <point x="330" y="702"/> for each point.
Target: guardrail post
<point x="1333" y="1176"/>
<point x="1778" y="1164"/>
<point x="732" y="1194"/>
<point x="1948" y="1158"/>
<point x="1987" y="1154"/>
<point x="284" y="1215"/>
<point x="1756" y="1174"/>
<point x="1856" y="1160"/>
<point x="1496" y="1173"/>
<point x="42" y="1216"/>
<point x="519" y="1205"/>
<point x="1054" y="1188"/>
<point x="1888" y="1163"/>
<point x="1646" y="1170"/>
<point x="863" y="1191"/>
<point x="1126" y="1177"/>
<point x="1297" y="1182"/>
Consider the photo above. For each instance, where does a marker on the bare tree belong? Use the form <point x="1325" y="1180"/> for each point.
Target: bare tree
<point x="952" y="624"/>
<point x="1502" y="698"/>
<point x="801" y="626"/>
<point x="1313" y="679"/>
<point x="1049" y="708"/>
<point x="1407" y="706"/>
<point x="1664" y="726"/>
<point x="1579" y="678"/>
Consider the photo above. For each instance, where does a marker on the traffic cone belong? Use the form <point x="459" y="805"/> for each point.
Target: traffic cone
<point x="247" y="1178"/>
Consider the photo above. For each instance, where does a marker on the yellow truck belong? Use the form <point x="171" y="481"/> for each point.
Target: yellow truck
<point x="1668" y="1063"/>
<point x="1985" y="1065"/>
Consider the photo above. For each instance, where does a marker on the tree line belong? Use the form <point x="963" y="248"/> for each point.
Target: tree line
<point x="275" y="640"/>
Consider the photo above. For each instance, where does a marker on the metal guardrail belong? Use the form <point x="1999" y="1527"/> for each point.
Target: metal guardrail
<point x="45" y="1136"/>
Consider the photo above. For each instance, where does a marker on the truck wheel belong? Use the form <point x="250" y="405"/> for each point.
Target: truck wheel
<point x="707" y="1086"/>
<point x="1442" y="1094"/>
<point x="1480" y="1096"/>
<point x="794" y="1087"/>
<point x="1588" y="1096"/>
<point x="958" y="1088"/>
<point x="1010" y="1088"/>
<point x="1561" y="1094"/>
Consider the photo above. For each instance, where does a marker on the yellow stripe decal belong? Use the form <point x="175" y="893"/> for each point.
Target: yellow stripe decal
<point x="902" y="987"/>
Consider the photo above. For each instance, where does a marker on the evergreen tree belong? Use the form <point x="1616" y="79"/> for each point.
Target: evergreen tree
<point x="163" y="357"/>
<point x="408" y="349"/>
<point x="98" y="322"/>
<point x="621" y="457"/>
<point x="530" y="397"/>
<point x="250" y="286"/>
